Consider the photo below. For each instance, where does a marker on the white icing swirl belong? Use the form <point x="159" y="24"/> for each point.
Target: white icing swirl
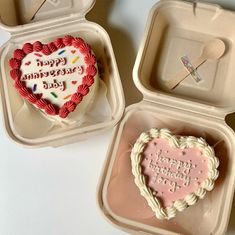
<point x="191" y="199"/>
<point x="171" y="212"/>
<point x="180" y="205"/>
<point x="208" y="184"/>
<point x="145" y="138"/>
<point x="201" y="192"/>
<point x="213" y="174"/>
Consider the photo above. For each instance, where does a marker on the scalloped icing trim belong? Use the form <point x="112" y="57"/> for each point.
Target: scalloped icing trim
<point x="182" y="143"/>
<point x="47" y="49"/>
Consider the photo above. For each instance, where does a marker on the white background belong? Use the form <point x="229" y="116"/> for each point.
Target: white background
<point x="53" y="191"/>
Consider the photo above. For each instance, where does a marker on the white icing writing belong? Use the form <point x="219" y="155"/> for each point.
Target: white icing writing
<point x="161" y="180"/>
<point x="174" y="162"/>
<point x="167" y="172"/>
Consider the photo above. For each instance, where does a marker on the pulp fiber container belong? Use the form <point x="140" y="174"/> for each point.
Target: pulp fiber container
<point x="174" y="29"/>
<point x="55" y="19"/>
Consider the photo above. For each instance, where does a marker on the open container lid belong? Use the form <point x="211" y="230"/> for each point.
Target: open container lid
<point x="177" y="28"/>
<point x="69" y="18"/>
<point x="12" y="13"/>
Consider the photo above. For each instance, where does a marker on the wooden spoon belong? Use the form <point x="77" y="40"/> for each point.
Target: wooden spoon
<point x="212" y="50"/>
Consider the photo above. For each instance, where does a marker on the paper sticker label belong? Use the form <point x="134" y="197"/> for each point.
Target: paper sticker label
<point x="188" y="65"/>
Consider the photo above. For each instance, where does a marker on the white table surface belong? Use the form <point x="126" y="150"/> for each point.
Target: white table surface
<point x="52" y="191"/>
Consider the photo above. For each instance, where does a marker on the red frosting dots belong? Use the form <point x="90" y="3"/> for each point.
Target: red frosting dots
<point x="88" y="80"/>
<point x="37" y="46"/>
<point x="91" y="70"/>
<point x="50" y="109"/>
<point x="24" y="91"/>
<point x="19" y="54"/>
<point x="32" y="98"/>
<point x="14" y="63"/>
<point x="15" y="74"/>
<point x="70" y="105"/>
<point x="64" y="112"/>
<point x="28" y="48"/>
<point x="90" y="59"/>
<point x="41" y="103"/>
<point x="68" y="40"/>
<point x="77" y="42"/>
<point x="59" y="43"/>
<point x="85" y="48"/>
<point x="77" y="98"/>
<point x="83" y="89"/>
<point x="52" y="47"/>
<point x="46" y="50"/>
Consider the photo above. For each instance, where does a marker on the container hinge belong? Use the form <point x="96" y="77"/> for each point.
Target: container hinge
<point x="47" y="26"/>
<point x="212" y="112"/>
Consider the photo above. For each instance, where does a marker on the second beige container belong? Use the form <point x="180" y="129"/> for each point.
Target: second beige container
<point x="174" y="29"/>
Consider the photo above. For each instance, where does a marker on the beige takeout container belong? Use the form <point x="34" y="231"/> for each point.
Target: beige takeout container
<point x="174" y="29"/>
<point x="56" y="18"/>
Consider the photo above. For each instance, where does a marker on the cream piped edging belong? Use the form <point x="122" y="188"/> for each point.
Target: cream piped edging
<point x="182" y="143"/>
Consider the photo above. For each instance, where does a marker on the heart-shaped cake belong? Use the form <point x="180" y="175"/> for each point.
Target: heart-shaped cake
<point x="172" y="172"/>
<point x="59" y="77"/>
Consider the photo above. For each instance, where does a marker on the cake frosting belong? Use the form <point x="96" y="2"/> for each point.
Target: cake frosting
<point x="172" y="172"/>
<point x="60" y="78"/>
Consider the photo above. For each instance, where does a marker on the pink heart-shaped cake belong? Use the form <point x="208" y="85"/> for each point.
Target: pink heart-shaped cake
<point x="45" y="74"/>
<point x="172" y="172"/>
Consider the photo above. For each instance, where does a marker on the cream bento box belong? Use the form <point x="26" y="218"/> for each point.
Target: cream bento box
<point x="174" y="29"/>
<point x="57" y="19"/>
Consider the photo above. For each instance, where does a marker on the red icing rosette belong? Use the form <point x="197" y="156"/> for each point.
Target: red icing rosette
<point x="88" y="80"/>
<point x="52" y="47"/>
<point x="90" y="59"/>
<point x="39" y="95"/>
<point x="32" y="98"/>
<point x="63" y="112"/>
<point x="19" y="54"/>
<point x="77" y="42"/>
<point x="85" y="48"/>
<point x="50" y="109"/>
<point x="24" y="92"/>
<point x="83" y="89"/>
<point x="59" y="43"/>
<point x="77" y="98"/>
<point x="15" y="74"/>
<point x="14" y="63"/>
<point x="27" y="48"/>
<point x="70" y="105"/>
<point x="68" y="40"/>
<point x="46" y="50"/>
<point x="41" y="103"/>
<point x="91" y="70"/>
<point x="19" y="84"/>
<point x="37" y="46"/>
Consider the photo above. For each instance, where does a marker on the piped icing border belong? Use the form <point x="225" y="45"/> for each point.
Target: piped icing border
<point x="47" y="49"/>
<point x="183" y="143"/>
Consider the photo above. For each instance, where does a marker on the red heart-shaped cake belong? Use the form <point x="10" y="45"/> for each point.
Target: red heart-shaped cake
<point x="172" y="172"/>
<point x="58" y="77"/>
